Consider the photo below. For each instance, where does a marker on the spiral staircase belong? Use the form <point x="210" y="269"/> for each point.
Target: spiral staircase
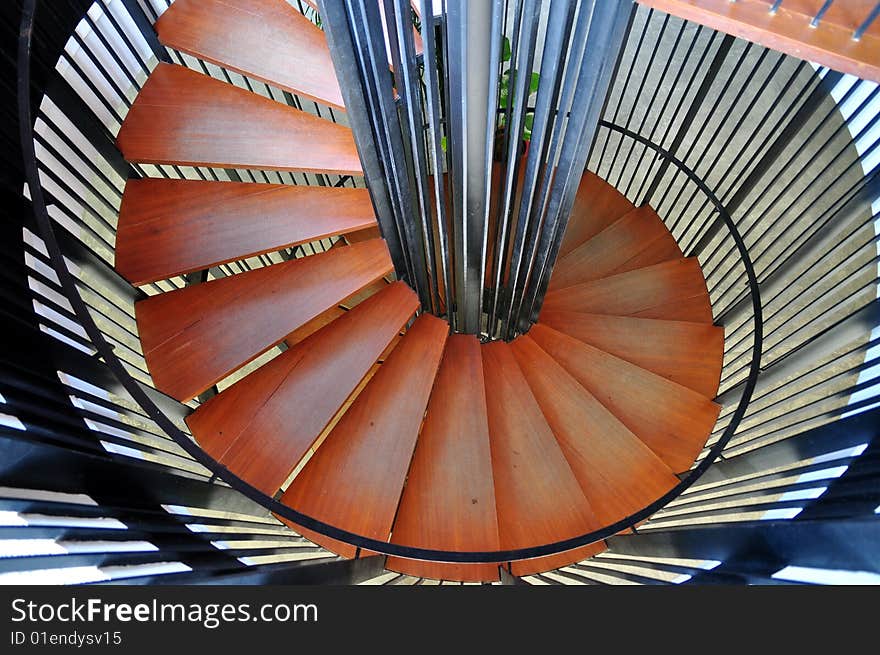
<point x="413" y="435"/>
<point x="318" y="380"/>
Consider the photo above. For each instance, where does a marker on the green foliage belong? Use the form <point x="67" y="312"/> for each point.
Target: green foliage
<point x="505" y="84"/>
<point x="507" y="80"/>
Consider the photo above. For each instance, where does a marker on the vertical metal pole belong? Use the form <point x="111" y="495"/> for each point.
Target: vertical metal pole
<point x="434" y="145"/>
<point x="474" y="30"/>
<point x="607" y="31"/>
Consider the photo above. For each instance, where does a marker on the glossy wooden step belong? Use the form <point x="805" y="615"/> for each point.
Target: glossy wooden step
<point x="444" y="570"/>
<point x="195" y="336"/>
<point x="260" y="427"/>
<point x="449" y="499"/>
<point x="688" y="353"/>
<point x="670" y="419"/>
<point x="618" y="473"/>
<point x="538" y="498"/>
<point x="550" y="562"/>
<point x="355" y="479"/>
<point x="183" y="117"/>
<point x="637" y="239"/>
<point x="171" y="227"/>
<point x="788" y="29"/>
<point x="596" y="206"/>
<point x="673" y="290"/>
<point x="309" y="328"/>
<point x="267" y="40"/>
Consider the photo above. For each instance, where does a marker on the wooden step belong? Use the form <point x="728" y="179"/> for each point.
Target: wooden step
<point x="183" y="117"/>
<point x="260" y="427"/>
<point x="309" y="328"/>
<point x="670" y="419"/>
<point x="538" y="498"/>
<point x="355" y="479"/>
<point x="444" y="570"/>
<point x="449" y="499"/>
<point x="550" y="562"/>
<point x="267" y="40"/>
<point x="195" y="336"/>
<point x="789" y="30"/>
<point x="637" y="239"/>
<point x="688" y="353"/>
<point x="357" y="237"/>
<point x="659" y="291"/>
<point x="618" y="473"/>
<point x="596" y="206"/>
<point x="172" y="227"/>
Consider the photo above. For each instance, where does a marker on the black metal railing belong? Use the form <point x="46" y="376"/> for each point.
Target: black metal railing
<point x="96" y="336"/>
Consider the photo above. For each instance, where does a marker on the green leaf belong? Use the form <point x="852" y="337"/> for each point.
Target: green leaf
<point x="505" y="50"/>
<point x="443" y="143"/>
<point x="528" y="121"/>
<point x="533" y="84"/>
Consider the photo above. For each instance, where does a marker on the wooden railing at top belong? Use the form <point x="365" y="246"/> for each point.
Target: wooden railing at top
<point x="841" y="35"/>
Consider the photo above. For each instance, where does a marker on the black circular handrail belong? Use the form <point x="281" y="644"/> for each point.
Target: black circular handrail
<point x="44" y="225"/>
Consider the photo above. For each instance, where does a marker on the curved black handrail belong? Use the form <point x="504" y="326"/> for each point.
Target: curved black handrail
<point x="47" y="232"/>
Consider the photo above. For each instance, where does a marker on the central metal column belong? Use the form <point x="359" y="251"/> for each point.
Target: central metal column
<point x="475" y="226"/>
<point x="474" y="46"/>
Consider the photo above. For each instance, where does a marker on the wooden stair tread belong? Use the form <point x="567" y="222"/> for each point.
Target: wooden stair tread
<point x="267" y="40"/>
<point x="596" y="206"/>
<point x="656" y="291"/>
<point x="260" y="427"/>
<point x="444" y="570"/>
<point x="538" y="498"/>
<point x="309" y="328"/>
<point x="449" y="499"/>
<point x="670" y="419"/>
<point x="357" y="237"/>
<point x="195" y="336"/>
<point x="183" y="117"/>
<point x="830" y="43"/>
<point x="355" y="479"/>
<point x="637" y="239"/>
<point x="550" y="562"/>
<point x="618" y="473"/>
<point x="172" y="227"/>
<point x="690" y="354"/>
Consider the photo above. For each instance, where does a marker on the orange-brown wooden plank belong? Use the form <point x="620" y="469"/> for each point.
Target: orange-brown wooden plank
<point x="637" y="239"/>
<point x="449" y="499"/>
<point x="195" y="336"/>
<point x="550" y="562"/>
<point x="444" y="570"/>
<point x="172" y="227"/>
<point x="596" y="206"/>
<point x="658" y="289"/>
<point x="696" y="309"/>
<point x="356" y="237"/>
<point x="261" y="426"/>
<point x="322" y="319"/>
<point x="672" y="420"/>
<point x="538" y="498"/>
<point x="354" y="480"/>
<point x="788" y="30"/>
<point x="688" y="353"/>
<point x="183" y="117"/>
<point x="265" y="39"/>
<point x="618" y="473"/>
